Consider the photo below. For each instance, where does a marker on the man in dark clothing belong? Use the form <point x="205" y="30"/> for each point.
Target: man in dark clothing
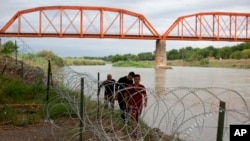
<point x="122" y="84"/>
<point x="109" y="85"/>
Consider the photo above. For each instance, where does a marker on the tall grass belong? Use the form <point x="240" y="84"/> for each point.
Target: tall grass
<point x="15" y="91"/>
<point x="41" y="58"/>
<point x="82" y="61"/>
<point x="16" y="99"/>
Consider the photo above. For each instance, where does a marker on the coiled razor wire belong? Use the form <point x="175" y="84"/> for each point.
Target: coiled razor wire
<point x="189" y="114"/>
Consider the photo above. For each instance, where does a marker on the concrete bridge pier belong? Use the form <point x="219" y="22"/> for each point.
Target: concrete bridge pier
<point x="160" y="55"/>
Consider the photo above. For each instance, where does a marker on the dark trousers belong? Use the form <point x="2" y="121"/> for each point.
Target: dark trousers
<point x="109" y="98"/>
<point x="123" y="108"/>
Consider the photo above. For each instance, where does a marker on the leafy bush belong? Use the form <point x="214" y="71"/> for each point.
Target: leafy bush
<point x="204" y="62"/>
<point x="15" y="91"/>
<point x="8" y="48"/>
<point x="49" y="55"/>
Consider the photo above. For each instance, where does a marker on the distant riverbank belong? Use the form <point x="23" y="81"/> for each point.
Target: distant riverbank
<point x="225" y="63"/>
<point x="215" y="63"/>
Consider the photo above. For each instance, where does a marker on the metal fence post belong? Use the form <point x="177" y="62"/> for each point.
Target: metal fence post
<point x="81" y="108"/>
<point x="22" y="71"/>
<point x="98" y="94"/>
<point x="48" y="80"/>
<point x="220" y="127"/>
<point x="16" y="52"/>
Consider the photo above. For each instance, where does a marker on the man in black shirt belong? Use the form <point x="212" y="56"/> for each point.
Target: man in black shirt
<point x="109" y="85"/>
<point x="122" y="84"/>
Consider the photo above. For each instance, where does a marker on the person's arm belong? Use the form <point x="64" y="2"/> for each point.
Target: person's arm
<point x="119" y="86"/>
<point x="145" y="98"/>
<point x="102" y="84"/>
<point x="117" y="89"/>
<point x="119" y="83"/>
<point x="145" y="101"/>
<point x="99" y="88"/>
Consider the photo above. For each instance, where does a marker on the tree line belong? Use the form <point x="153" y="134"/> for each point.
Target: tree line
<point x="239" y="51"/>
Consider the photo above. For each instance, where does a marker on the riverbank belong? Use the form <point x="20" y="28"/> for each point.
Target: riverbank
<point x="213" y="63"/>
<point x="24" y="111"/>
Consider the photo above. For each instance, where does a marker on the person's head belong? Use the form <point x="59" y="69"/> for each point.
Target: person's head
<point x="131" y="75"/>
<point x="137" y="79"/>
<point x="109" y="76"/>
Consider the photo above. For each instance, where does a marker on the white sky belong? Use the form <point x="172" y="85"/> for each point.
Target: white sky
<point x="160" y="13"/>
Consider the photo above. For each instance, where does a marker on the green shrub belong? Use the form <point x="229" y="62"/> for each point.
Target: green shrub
<point x="204" y="62"/>
<point x="15" y="91"/>
<point x="57" y="110"/>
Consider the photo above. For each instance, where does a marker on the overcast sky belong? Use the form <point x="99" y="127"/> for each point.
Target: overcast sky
<point x="160" y="13"/>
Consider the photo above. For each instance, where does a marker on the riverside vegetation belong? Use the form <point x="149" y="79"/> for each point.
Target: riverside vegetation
<point x="237" y="56"/>
<point x="23" y="96"/>
<point x="23" y="99"/>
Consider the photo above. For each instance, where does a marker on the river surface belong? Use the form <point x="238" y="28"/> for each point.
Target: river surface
<point x="184" y="101"/>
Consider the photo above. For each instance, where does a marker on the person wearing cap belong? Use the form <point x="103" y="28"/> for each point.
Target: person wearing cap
<point x="122" y="84"/>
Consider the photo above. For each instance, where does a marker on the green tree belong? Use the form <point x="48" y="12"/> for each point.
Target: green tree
<point x="224" y="53"/>
<point x="246" y="53"/>
<point x="173" y="54"/>
<point x="117" y="58"/>
<point x="148" y="56"/>
<point x="236" y="55"/>
<point x="8" y="48"/>
<point x="129" y="57"/>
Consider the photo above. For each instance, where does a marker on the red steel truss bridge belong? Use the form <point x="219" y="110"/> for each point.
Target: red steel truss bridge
<point x="106" y="22"/>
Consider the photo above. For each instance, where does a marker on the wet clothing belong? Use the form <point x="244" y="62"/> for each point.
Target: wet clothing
<point x="136" y="95"/>
<point x="110" y="86"/>
<point x="122" y="84"/>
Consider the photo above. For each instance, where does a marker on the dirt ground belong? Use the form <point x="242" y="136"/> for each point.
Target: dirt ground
<point x="38" y="132"/>
<point x="43" y="130"/>
<point x="47" y="132"/>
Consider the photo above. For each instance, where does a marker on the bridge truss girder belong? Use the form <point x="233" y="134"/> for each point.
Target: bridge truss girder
<point x="79" y="22"/>
<point x="105" y="22"/>
<point x="211" y="26"/>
